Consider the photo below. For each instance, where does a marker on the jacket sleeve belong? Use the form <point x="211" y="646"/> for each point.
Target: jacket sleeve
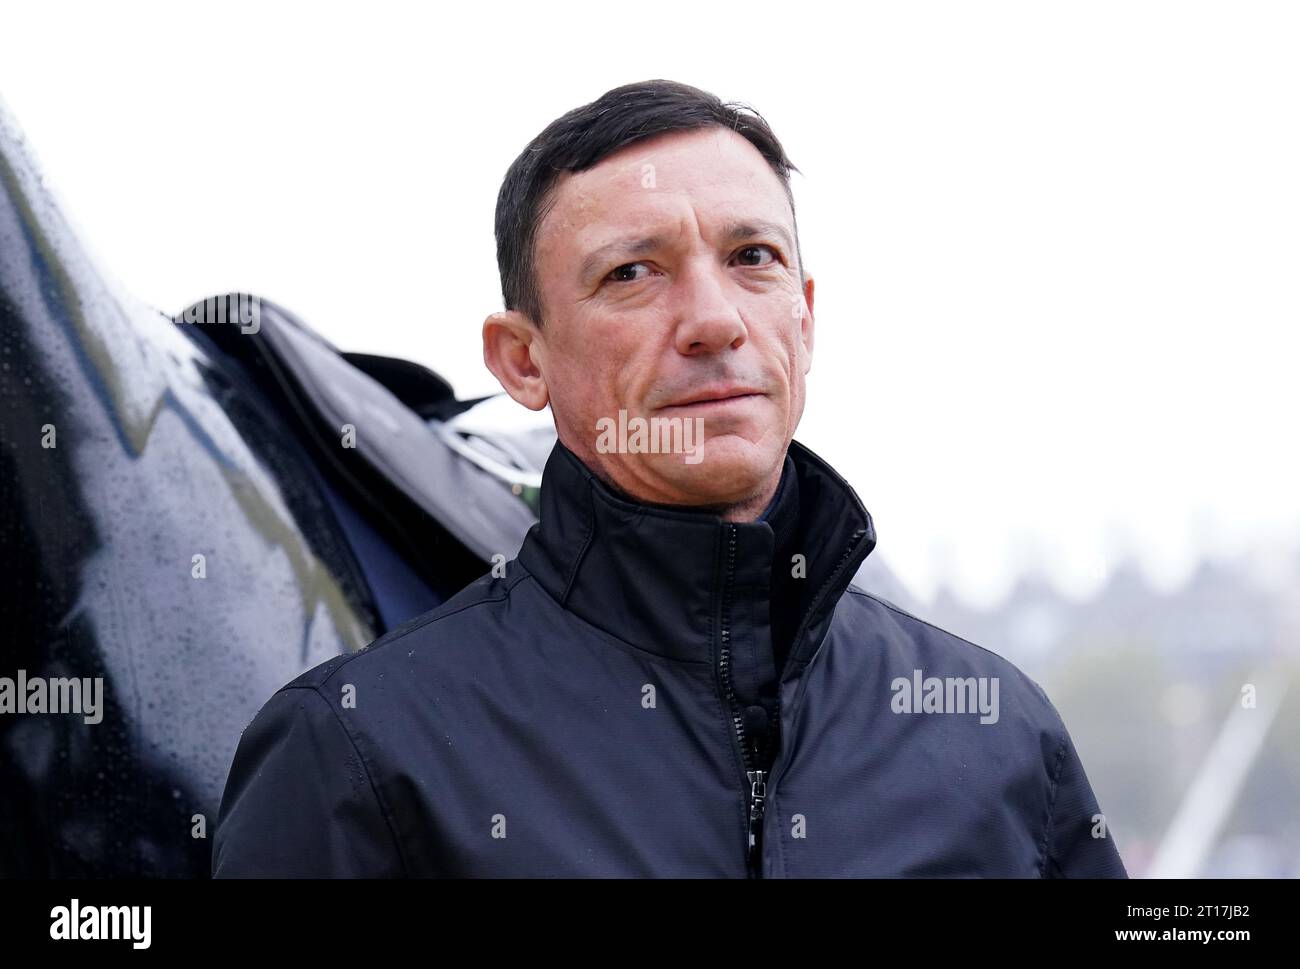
<point x="299" y="801"/>
<point x="1078" y="840"/>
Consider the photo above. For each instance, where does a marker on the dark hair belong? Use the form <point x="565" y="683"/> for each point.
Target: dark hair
<point x="581" y="138"/>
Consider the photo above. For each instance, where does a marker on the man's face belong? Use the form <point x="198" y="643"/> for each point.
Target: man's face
<point x="668" y="272"/>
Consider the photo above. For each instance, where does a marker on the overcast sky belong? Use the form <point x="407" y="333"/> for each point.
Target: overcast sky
<point x="1056" y="245"/>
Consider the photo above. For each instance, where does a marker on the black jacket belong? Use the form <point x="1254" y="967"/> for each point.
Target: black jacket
<point x="588" y="709"/>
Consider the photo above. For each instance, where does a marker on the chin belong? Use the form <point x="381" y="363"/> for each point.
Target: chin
<point x="725" y="469"/>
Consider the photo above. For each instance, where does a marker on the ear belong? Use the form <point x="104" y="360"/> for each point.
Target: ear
<point x="807" y="325"/>
<point x="513" y="348"/>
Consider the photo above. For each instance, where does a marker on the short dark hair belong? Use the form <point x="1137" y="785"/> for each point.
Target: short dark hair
<point x="581" y="138"/>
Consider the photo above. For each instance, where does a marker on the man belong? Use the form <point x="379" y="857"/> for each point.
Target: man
<point x="674" y="677"/>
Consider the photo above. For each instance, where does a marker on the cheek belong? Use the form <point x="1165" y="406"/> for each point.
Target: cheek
<point x="784" y="350"/>
<point x="794" y="375"/>
<point x="592" y="381"/>
<point x="802" y="358"/>
<point x="614" y="365"/>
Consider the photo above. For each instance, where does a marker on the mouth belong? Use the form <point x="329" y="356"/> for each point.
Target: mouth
<point x="708" y="400"/>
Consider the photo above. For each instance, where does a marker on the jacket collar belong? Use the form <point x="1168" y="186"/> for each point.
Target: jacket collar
<point x="666" y="579"/>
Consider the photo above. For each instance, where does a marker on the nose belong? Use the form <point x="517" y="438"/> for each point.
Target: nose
<point x="708" y="318"/>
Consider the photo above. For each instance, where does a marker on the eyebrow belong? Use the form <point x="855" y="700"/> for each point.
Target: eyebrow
<point x="733" y="231"/>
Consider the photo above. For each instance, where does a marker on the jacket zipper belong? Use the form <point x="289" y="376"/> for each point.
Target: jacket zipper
<point x="756" y="774"/>
<point x="800" y="630"/>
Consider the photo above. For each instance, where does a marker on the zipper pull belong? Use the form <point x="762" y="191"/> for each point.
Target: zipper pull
<point x="757" y="794"/>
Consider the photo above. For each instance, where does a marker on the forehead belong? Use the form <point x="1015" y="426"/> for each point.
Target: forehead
<point x="712" y="173"/>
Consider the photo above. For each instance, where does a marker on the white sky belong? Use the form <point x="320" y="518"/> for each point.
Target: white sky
<point x="1055" y="245"/>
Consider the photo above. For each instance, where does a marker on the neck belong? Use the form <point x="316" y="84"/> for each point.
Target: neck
<point x="746" y="510"/>
<point x="750" y="510"/>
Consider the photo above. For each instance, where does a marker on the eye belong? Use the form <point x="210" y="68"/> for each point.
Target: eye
<point x="616" y="274"/>
<point x="756" y="248"/>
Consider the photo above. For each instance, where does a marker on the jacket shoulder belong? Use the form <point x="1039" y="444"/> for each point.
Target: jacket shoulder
<point x="926" y="642"/>
<point x="1071" y="846"/>
<point x="421" y="629"/>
